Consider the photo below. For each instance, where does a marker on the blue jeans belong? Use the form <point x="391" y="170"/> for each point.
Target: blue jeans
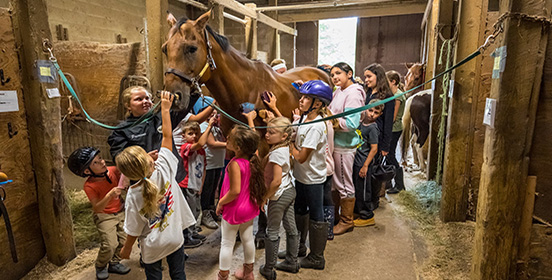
<point x="176" y="267"/>
<point x="310" y="200"/>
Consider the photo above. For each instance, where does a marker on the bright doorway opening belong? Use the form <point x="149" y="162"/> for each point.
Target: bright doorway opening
<point x="337" y="41"/>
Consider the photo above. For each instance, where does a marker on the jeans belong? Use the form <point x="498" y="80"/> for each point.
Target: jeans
<point x="392" y="157"/>
<point x="212" y="182"/>
<point x="309" y="200"/>
<point x="176" y="267"/>
<point x="364" y="193"/>
<point x="328" y="201"/>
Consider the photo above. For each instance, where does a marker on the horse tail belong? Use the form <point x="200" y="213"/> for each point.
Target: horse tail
<point x="406" y="134"/>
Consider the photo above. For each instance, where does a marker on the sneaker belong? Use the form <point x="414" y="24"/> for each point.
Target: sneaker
<point x="217" y="218"/>
<point x="198" y="229"/>
<point x="118" y="268"/>
<point x="198" y="236"/>
<point x="208" y="221"/>
<point x="191" y="242"/>
<point x="364" y="222"/>
<point x="102" y="273"/>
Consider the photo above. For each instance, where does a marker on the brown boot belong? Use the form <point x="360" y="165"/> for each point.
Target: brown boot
<point x="223" y="275"/>
<point x="336" y="201"/>
<point x="346" y="222"/>
<point x="246" y="273"/>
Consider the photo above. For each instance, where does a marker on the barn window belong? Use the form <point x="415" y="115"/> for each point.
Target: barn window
<point x="337" y="41"/>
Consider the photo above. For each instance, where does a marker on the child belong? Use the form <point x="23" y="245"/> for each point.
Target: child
<point x="309" y="170"/>
<point x="348" y="95"/>
<point x="362" y="167"/>
<point x="156" y="211"/>
<point x="103" y="188"/>
<point x="281" y="197"/>
<point x="193" y="157"/>
<point x="242" y="195"/>
<point x="397" y="88"/>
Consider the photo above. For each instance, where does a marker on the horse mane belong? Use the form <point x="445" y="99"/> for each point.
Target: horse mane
<point x="221" y="40"/>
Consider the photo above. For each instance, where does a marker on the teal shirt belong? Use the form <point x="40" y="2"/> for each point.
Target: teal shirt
<point x="397" y="124"/>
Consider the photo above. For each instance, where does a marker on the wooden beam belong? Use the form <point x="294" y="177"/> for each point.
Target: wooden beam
<point x="217" y="18"/>
<point x="505" y="168"/>
<point x="355" y="11"/>
<point x="251" y="34"/>
<point x="317" y="5"/>
<point x="194" y="3"/>
<point x="458" y="155"/>
<point x="157" y="28"/>
<point x="234" y="18"/>
<point x="44" y="125"/>
<point x="275" y="24"/>
<point x="237" y="7"/>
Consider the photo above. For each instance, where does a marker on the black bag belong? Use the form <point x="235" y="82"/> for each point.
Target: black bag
<point x="382" y="171"/>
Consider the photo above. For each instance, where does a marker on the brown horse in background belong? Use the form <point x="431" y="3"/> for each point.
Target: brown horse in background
<point x="416" y="118"/>
<point x="234" y="80"/>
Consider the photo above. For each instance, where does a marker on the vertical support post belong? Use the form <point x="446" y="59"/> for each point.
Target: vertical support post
<point x="217" y="18"/>
<point x="156" y="15"/>
<point x="444" y="26"/>
<point x="515" y="86"/>
<point x="44" y="124"/>
<point x="251" y="29"/>
<point x="276" y="44"/>
<point x="458" y="155"/>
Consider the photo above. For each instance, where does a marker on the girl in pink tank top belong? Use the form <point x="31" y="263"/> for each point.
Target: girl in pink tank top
<point x="242" y="194"/>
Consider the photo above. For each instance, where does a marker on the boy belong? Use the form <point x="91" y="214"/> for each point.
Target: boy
<point x="103" y="188"/>
<point x="193" y="157"/>
<point x="362" y="166"/>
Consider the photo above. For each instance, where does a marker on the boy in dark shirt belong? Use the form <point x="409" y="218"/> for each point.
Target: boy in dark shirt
<point x="362" y="166"/>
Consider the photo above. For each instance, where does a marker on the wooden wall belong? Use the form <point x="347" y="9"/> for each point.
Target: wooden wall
<point x="307" y="43"/>
<point x="390" y="41"/>
<point x="15" y="161"/>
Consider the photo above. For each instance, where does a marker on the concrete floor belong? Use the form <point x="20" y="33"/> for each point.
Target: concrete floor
<point x="384" y="251"/>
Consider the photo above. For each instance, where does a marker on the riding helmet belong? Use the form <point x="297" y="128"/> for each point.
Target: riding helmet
<point x="202" y="103"/>
<point x="317" y="89"/>
<point x="81" y="159"/>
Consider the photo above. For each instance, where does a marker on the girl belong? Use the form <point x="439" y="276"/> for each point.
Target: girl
<point x="242" y="195"/>
<point x="397" y="88"/>
<point x="348" y="95"/>
<point x="156" y="211"/>
<point x="281" y="197"/>
<point x="377" y="86"/>
<point x="309" y="170"/>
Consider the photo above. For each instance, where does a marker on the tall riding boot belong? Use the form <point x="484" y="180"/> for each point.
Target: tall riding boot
<point x="302" y="222"/>
<point x="329" y="216"/>
<point x="346" y="221"/>
<point x="290" y="264"/>
<point x="271" y="256"/>
<point x="336" y="200"/>
<point x="399" y="182"/>
<point x="261" y="232"/>
<point x="318" y="236"/>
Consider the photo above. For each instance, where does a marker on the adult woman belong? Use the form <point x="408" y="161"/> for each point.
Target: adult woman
<point x="396" y="87"/>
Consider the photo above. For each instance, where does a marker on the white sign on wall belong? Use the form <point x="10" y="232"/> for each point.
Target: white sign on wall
<point x="8" y="101"/>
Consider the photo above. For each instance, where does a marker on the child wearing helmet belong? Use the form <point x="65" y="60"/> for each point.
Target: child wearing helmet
<point x="309" y="170"/>
<point x="103" y="188"/>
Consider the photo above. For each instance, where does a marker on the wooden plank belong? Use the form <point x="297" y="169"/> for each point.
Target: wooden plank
<point x="307" y="44"/>
<point x="43" y="116"/>
<point x="275" y="24"/>
<point x="251" y="40"/>
<point x="194" y="3"/>
<point x="217" y="18"/>
<point x="157" y="28"/>
<point x="357" y="11"/>
<point x="506" y="165"/>
<point x="526" y="225"/>
<point x="15" y="160"/>
<point x="317" y="5"/>
<point x="459" y="140"/>
<point x="237" y="7"/>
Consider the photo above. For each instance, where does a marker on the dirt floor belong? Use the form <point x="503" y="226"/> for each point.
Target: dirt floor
<point x="408" y="242"/>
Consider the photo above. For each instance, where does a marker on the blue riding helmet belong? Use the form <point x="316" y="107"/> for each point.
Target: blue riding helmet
<point x="317" y="89"/>
<point x="202" y="104"/>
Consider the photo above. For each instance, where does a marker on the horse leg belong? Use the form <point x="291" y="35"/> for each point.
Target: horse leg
<point x="421" y="159"/>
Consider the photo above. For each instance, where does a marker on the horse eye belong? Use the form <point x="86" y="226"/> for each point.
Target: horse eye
<point x="164" y="49"/>
<point x="191" y="49"/>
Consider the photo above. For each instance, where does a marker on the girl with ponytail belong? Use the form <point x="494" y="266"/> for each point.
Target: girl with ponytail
<point x="241" y="196"/>
<point x="156" y="211"/>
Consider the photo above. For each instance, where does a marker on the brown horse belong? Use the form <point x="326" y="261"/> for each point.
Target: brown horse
<point x="417" y="112"/>
<point x="196" y="54"/>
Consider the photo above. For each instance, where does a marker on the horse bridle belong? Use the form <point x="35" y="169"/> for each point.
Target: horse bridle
<point x="194" y="81"/>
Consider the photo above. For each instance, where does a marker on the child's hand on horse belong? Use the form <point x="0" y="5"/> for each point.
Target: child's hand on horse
<point x="251" y="115"/>
<point x="296" y="114"/>
<point x="166" y="100"/>
<point x="271" y="102"/>
<point x="299" y="82"/>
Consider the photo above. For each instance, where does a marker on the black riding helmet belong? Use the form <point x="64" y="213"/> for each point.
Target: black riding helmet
<point x="81" y="159"/>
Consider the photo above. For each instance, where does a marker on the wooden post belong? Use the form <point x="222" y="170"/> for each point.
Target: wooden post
<point x="459" y="140"/>
<point x="44" y="125"/>
<point x="217" y="18"/>
<point x="506" y="149"/>
<point x="251" y="34"/>
<point x="157" y="28"/>
<point x="525" y="228"/>
<point x="444" y="26"/>
<point x="276" y="44"/>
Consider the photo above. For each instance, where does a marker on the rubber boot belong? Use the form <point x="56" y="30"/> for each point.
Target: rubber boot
<point x="246" y="273"/>
<point x="399" y="182"/>
<point x="271" y="256"/>
<point x="302" y="222"/>
<point x="336" y="200"/>
<point x="346" y="222"/>
<point x="290" y="264"/>
<point x="318" y="236"/>
<point x="260" y="236"/>
<point x="329" y="216"/>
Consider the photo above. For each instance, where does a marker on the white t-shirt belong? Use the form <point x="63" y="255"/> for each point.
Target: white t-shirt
<point x="177" y="133"/>
<point x="161" y="236"/>
<point x="215" y="157"/>
<point x="313" y="136"/>
<point x="280" y="157"/>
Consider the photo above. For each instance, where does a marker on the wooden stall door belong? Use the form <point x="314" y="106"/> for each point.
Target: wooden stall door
<point x="15" y="161"/>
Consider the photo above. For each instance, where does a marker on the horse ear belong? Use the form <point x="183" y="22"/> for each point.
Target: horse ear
<point x="408" y="65"/>
<point x="171" y="19"/>
<point x="201" y="22"/>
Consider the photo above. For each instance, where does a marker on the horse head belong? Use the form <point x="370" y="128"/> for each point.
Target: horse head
<point x="415" y="75"/>
<point x="188" y="53"/>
